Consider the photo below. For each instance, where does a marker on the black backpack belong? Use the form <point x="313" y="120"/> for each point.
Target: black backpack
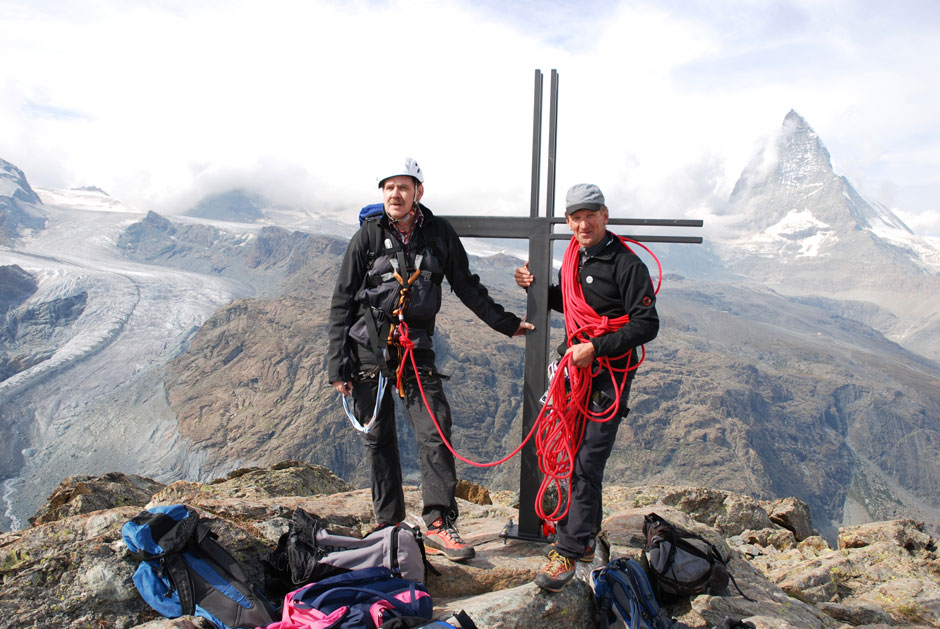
<point x="186" y="572"/>
<point x="681" y="563"/>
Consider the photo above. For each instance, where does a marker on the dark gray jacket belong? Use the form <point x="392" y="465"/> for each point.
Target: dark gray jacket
<point x="366" y="280"/>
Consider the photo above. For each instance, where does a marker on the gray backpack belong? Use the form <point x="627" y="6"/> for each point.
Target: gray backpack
<point x="680" y="562"/>
<point x="309" y="552"/>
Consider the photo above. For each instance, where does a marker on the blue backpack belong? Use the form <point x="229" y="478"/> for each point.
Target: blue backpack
<point x="186" y="572"/>
<point x="370" y="210"/>
<point x="625" y="598"/>
<point x="361" y="599"/>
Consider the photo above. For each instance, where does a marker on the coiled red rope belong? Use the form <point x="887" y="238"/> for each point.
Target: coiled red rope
<point x="559" y="427"/>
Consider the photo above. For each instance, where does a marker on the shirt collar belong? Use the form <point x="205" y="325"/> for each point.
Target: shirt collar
<point x="594" y="250"/>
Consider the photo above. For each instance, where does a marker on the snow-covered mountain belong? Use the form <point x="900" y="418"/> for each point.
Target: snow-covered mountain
<point x="19" y="204"/>
<point x="795" y="225"/>
<point x="791" y="205"/>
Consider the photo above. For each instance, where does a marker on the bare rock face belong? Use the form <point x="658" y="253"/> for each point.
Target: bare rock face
<point x="75" y="561"/>
<point x="882" y="572"/>
<point x="84" y="494"/>
<point x="15" y="286"/>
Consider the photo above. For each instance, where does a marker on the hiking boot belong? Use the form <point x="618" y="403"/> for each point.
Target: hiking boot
<point x="557" y="573"/>
<point x="442" y="538"/>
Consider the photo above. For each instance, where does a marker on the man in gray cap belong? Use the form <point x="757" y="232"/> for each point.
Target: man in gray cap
<point x="614" y="283"/>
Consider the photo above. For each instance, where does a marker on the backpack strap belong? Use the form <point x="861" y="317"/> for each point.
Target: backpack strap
<point x="175" y="568"/>
<point x="602" y="598"/>
<point x="373" y="228"/>
<point x="377" y="346"/>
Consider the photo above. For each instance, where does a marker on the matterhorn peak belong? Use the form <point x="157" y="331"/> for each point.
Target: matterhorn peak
<point x="792" y="158"/>
<point x="802" y="155"/>
<point x="790" y="205"/>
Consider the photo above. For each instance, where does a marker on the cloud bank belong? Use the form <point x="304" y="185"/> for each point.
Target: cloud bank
<point x="162" y="103"/>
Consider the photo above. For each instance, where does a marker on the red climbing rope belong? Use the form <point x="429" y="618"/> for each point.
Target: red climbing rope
<point x="559" y="427"/>
<point x="567" y="407"/>
<point x="407" y="356"/>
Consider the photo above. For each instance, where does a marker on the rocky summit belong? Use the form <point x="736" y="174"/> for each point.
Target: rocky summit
<point x="71" y="569"/>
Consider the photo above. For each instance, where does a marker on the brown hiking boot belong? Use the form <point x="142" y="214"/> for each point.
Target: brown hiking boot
<point x="557" y="572"/>
<point x="442" y="537"/>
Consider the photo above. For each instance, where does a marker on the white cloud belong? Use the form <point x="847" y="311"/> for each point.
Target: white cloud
<point x="926" y="222"/>
<point x="663" y="106"/>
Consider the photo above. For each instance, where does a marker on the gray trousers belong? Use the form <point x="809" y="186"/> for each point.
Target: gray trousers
<point x="577" y="530"/>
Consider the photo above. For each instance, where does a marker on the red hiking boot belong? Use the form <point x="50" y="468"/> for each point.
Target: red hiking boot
<point x="442" y="538"/>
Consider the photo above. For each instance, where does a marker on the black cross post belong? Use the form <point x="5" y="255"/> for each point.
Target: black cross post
<point x="539" y="230"/>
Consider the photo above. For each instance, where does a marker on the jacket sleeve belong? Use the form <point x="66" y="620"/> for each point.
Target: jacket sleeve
<point x="343" y="306"/>
<point x="468" y="287"/>
<point x="639" y="301"/>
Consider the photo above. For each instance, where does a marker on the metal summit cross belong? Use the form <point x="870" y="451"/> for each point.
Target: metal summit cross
<point x="539" y="230"/>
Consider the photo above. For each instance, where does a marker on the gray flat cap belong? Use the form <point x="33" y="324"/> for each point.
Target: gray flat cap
<point x="583" y="196"/>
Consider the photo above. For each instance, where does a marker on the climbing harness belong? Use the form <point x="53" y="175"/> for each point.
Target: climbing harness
<point x="399" y="268"/>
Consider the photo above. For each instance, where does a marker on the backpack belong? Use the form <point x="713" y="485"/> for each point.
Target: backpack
<point x="370" y="210"/>
<point x="625" y="598"/>
<point x="186" y="572"/>
<point x="361" y="599"/>
<point x="309" y="552"/>
<point x="680" y="562"/>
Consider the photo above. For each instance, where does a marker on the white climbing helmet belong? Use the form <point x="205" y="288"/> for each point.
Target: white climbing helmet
<point x="410" y="168"/>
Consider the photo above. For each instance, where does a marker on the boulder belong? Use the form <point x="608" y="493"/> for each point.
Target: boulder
<point x="288" y="478"/>
<point x="793" y="515"/>
<point x="472" y="492"/>
<point x="725" y="511"/>
<point x="907" y="534"/>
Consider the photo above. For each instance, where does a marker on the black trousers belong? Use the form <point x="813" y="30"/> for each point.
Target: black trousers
<point x="436" y="463"/>
<point x="576" y="531"/>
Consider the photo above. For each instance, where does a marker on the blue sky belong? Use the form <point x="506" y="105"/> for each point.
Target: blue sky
<point x="661" y="103"/>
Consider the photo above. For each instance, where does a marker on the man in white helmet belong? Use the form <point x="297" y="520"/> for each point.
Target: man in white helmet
<point x="391" y="274"/>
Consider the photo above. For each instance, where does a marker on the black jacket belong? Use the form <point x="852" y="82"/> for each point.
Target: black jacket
<point x="615" y="282"/>
<point x="365" y="278"/>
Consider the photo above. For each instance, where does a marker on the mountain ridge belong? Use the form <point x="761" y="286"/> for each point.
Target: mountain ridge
<point x="784" y="377"/>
